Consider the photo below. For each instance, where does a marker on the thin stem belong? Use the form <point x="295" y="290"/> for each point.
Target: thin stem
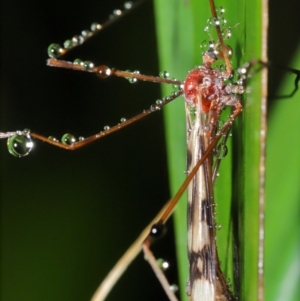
<point x="103" y="71"/>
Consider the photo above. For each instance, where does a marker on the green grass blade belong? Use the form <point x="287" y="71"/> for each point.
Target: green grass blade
<point x="178" y="41"/>
<point x="282" y="191"/>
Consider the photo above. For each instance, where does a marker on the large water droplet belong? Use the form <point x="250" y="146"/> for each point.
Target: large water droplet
<point x="54" y="50"/>
<point x="68" y="139"/>
<point x="228" y="51"/>
<point x="103" y="71"/>
<point x="221" y="151"/>
<point x="20" y="145"/>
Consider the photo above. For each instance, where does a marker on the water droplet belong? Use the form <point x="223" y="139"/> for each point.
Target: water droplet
<point x="204" y="45"/>
<point x="214" y="22"/>
<point x="220" y="10"/>
<point x="86" y="33"/>
<point x="163" y="264"/>
<point x="20" y="144"/>
<point x="54" y="50"/>
<point x="206" y="29"/>
<point x="133" y="80"/>
<point x="219" y="65"/>
<point x="117" y="12"/>
<point x="88" y="65"/>
<point x="106" y="128"/>
<point x="103" y="71"/>
<point x="52" y="138"/>
<point x="175" y="85"/>
<point x="26" y="132"/>
<point x="123" y="119"/>
<point x="68" y="139"/>
<point x="211" y="45"/>
<point x="80" y="138"/>
<point x="128" y="5"/>
<point x="154" y="108"/>
<point x="68" y="44"/>
<point x="159" y="102"/>
<point x="218" y="226"/>
<point x="226" y="33"/>
<point x="221" y="151"/>
<point x="220" y="53"/>
<point x="77" y="62"/>
<point x="223" y="21"/>
<point x="242" y="70"/>
<point x="174" y="288"/>
<point x="96" y="26"/>
<point x="77" y="40"/>
<point x="164" y="74"/>
<point x="240" y="82"/>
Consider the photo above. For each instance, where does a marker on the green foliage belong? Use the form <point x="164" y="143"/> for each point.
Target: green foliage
<point x="180" y="31"/>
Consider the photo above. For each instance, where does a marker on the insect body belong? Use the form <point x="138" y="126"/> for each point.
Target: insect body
<point x="206" y="95"/>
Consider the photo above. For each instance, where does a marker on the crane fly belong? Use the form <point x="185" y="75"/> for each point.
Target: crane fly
<point x="212" y="131"/>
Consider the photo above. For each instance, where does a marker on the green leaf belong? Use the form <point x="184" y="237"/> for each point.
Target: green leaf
<point x="282" y="192"/>
<point x="180" y="31"/>
<point x="239" y="181"/>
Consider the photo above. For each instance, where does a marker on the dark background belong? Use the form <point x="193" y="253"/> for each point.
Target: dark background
<point x="283" y="42"/>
